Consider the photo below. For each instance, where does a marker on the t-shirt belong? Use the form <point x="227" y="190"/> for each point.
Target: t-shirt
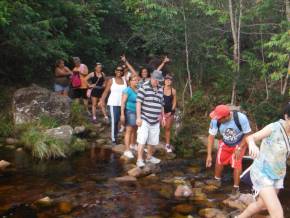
<point x="229" y="130"/>
<point x="131" y="100"/>
<point x="151" y="102"/>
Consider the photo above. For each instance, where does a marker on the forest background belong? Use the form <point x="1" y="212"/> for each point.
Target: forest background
<point x="222" y="51"/>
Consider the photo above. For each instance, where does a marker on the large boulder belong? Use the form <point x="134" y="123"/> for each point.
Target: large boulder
<point x="63" y="133"/>
<point x="32" y="102"/>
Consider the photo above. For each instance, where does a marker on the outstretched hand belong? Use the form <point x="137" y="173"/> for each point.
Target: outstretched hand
<point x="166" y="59"/>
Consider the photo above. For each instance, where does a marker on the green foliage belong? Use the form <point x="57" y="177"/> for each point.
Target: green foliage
<point x="6" y="125"/>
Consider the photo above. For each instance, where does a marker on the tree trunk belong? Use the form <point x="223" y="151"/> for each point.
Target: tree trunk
<point x="235" y="27"/>
<point x="263" y="59"/>
<point x="186" y="50"/>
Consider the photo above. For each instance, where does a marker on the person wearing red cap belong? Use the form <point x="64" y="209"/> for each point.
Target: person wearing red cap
<point x="233" y="126"/>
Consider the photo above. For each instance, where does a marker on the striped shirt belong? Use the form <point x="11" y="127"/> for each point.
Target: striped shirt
<point x="151" y="102"/>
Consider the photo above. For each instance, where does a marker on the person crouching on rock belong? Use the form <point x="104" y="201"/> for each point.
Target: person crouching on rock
<point x="233" y="127"/>
<point x="128" y="115"/>
<point x="268" y="170"/>
<point x="149" y="108"/>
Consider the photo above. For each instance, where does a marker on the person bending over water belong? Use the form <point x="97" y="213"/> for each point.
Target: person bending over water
<point x="81" y="92"/>
<point x="268" y="170"/>
<point x="169" y="95"/>
<point x="96" y="81"/>
<point x="116" y="86"/>
<point x="233" y="127"/>
<point x="61" y="81"/>
<point x="128" y="115"/>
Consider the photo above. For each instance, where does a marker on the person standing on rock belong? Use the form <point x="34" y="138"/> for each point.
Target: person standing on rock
<point x="81" y="91"/>
<point x="61" y="82"/>
<point x="149" y="109"/>
<point x="116" y="86"/>
<point x="128" y="115"/>
<point x="233" y="126"/>
<point x="96" y="81"/>
<point x="169" y="95"/>
<point x="268" y="170"/>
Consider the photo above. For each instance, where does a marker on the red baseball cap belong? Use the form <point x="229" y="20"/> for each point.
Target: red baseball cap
<point x="219" y="112"/>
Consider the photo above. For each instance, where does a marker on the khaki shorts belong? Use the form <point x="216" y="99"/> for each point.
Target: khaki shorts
<point x="148" y="134"/>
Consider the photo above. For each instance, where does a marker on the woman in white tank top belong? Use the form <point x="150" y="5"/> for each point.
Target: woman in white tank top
<point x="116" y="86"/>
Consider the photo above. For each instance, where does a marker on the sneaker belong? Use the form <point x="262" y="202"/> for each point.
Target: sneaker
<point x="134" y="147"/>
<point x="94" y="120"/>
<point x="122" y="129"/>
<point x="153" y="160"/>
<point x="168" y="148"/>
<point x="140" y="163"/>
<point x="128" y="154"/>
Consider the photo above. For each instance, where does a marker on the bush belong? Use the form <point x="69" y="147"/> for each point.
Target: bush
<point x="6" y="125"/>
<point x="42" y="146"/>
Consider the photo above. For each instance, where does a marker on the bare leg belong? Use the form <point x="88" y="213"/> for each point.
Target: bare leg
<point x="86" y="103"/>
<point x="140" y="152"/>
<point x="150" y="151"/>
<point x="133" y="136"/>
<point x="268" y="199"/>
<point x="94" y="105"/>
<point x="237" y="173"/>
<point x="127" y="137"/>
<point x="218" y="170"/>
<point x="168" y="126"/>
<point x="103" y="109"/>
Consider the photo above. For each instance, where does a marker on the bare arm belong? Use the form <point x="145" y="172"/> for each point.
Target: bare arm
<point x="210" y="142"/>
<point x="104" y="84"/>
<point x="69" y="72"/>
<point x="59" y="72"/>
<point x="123" y="104"/>
<point x="106" y="91"/>
<point x="174" y="99"/>
<point x="165" y="61"/>
<point x="90" y="75"/>
<point x="131" y="68"/>
<point x="258" y="136"/>
<point x="138" y="110"/>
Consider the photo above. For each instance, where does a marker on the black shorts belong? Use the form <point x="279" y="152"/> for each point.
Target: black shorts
<point x="80" y="93"/>
<point x="97" y="93"/>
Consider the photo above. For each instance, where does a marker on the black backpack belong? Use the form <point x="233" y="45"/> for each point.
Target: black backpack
<point x="236" y="119"/>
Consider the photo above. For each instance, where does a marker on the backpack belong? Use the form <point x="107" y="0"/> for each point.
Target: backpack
<point x="76" y="80"/>
<point x="236" y="119"/>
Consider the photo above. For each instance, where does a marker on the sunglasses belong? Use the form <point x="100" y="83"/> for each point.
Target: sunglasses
<point x="121" y="70"/>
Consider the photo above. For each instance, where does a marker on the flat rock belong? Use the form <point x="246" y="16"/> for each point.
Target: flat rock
<point x="63" y="133"/>
<point x="212" y="213"/>
<point x="4" y="164"/>
<point x="101" y="141"/>
<point x="119" y="148"/>
<point x="44" y="202"/>
<point x="11" y="141"/>
<point x="183" y="191"/>
<point x="144" y="171"/>
<point x="125" y="179"/>
<point x="79" y="130"/>
<point x="184" y="208"/>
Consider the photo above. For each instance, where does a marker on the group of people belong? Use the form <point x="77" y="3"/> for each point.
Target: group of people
<point x="268" y="170"/>
<point x="136" y="102"/>
<point x="143" y="101"/>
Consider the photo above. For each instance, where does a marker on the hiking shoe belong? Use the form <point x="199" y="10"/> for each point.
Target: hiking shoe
<point x="94" y="120"/>
<point x="140" y="163"/>
<point x="168" y="148"/>
<point x="153" y="160"/>
<point x="128" y="154"/>
<point x="235" y="194"/>
<point x="134" y="147"/>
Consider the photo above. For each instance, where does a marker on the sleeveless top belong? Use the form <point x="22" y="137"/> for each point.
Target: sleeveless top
<point x="62" y="80"/>
<point x="98" y="81"/>
<point x="116" y="93"/>
<point x="168" y="102"/>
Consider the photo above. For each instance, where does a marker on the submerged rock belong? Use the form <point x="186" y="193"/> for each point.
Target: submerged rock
<point x="32" y="102"/>
<point x="44" y="202"/>
<point x="4" y="164"/>
<point x="62" y="133"/>
<point x="65" y="207"/>
<point x="144" y="171"/>
<point x="184" y="208"/>
<point x="125" y="179"/>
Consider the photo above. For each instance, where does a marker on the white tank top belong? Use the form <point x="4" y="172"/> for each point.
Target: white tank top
<point x="116" y="93"/>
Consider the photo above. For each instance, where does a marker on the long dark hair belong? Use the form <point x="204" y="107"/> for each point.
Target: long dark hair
<point x="287" y="110"/>
<point x="148" y="72"/>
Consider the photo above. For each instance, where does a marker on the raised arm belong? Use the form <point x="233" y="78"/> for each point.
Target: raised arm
<point x="165" y="61"/>
<point x="131" y="68"/>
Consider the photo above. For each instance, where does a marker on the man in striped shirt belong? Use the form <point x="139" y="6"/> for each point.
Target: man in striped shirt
<point x="149" y="108"/>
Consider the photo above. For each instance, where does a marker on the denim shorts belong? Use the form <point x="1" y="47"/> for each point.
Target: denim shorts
<point x="130" y="118"/>
<point x="60" y="88"/>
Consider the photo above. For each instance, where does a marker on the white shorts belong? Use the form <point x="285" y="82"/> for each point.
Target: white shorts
<point x="148" y="134"/>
